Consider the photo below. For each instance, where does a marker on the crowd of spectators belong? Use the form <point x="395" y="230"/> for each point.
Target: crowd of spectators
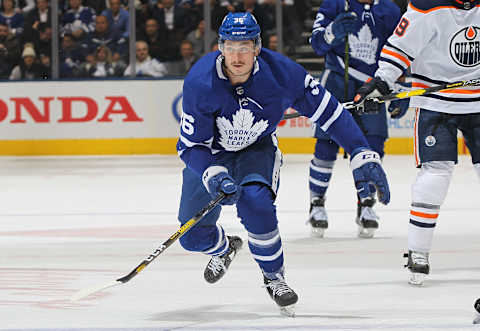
<point x="94" y="35"/>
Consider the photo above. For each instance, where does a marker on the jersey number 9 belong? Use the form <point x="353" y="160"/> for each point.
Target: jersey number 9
<point x="402" y="26"/>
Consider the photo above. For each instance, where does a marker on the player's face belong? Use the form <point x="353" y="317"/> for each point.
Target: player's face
<point x="239" y="58"/>
<point x="142" y="51"/>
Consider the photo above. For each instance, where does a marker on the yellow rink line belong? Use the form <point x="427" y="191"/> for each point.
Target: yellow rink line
<point x="125" y="146"/>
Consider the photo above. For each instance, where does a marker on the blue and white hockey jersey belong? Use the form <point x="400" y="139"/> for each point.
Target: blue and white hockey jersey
<point x="375" y="23"/>
<point x="219" y="117"/>
<point x="83" y="18"/>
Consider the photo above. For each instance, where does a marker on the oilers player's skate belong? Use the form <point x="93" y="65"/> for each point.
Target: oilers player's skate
<point x="282" y="294"/>
<point x="318" y="219"/>
<point x="477" y="312"/>
<point x="218" y="265"/>
<point x="418" y="266"/>
<point x="367" y="219"/>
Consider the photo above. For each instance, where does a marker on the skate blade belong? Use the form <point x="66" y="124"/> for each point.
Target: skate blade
<point x="366" y="232"/>
<point x="317" y="232"/>
<point x="416" y="279"/>
<point x="288" y="311"/>
<point x="476" y="320"/>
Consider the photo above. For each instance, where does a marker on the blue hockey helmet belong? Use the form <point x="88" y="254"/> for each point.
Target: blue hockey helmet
<point x="466" y="4"/>
<point x="238" y="27"/>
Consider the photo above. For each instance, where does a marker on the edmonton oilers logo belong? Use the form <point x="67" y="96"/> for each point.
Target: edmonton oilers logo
<point x="177" y="107"/>
<point x="465" y="47"/>
<point x="430" y="141"/>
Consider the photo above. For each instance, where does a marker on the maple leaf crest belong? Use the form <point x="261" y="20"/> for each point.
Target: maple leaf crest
<point x="240" y="133"/>
<point x="364" y="46"/>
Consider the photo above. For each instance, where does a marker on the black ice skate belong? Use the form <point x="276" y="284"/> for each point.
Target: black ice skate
<point x="218" y="265"/>
<point x="418" y="266"/>
<point x="477" y="312"/>
<point x="318" y="217"/>
<point x="282" y="294"/>
<point x="367" y="219"/>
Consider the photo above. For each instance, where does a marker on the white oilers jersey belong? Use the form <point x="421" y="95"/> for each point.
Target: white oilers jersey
<point x="441" y="44"/>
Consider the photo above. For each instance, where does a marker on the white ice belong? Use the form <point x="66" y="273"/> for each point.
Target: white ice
<point x="73" y="222"/>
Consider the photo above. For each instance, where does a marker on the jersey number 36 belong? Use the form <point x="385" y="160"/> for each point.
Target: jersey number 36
<point x="187" y="124"/>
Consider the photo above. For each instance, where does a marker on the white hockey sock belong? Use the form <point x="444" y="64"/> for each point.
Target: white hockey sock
<point x="428" y="193"/>
<point x="423" y="219"/>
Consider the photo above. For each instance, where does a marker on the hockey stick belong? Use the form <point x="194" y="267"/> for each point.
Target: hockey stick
<point x="180" y="232"/>
<point x="419" y="92"/>
<point x="405" y="94"/>
<point x="346" y="58"/>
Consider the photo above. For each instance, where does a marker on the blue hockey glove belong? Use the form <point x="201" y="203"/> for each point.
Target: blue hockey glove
<point x="398" y="108"/>
<point x="216" y="179"/>
<point x="372" y="88"/>
<point x="343" y="24"/>
<point x="367" y="170"/>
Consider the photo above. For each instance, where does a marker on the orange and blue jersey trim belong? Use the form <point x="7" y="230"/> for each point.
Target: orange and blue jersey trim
<point x="426" y="11"/>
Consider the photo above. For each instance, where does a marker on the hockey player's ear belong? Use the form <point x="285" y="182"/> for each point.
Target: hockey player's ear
<point x="258" y="46"/>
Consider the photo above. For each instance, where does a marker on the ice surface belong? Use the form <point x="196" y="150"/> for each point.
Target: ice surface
<point x="71" y="223"/>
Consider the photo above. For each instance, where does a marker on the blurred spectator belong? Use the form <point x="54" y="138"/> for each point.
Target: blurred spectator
<point x="97" y="5"/>
<point x="40" y="14"/>
<point x="181" y="67"/>
<point x="28" y="69"/>
<point x="13" y="18"/>
<point x="197" y="38"/>
<point x="143" y="11"/>
<point x="294" y="13"/>
<point x="43" y="40"/>
<point x="23" y="6"/>
<point x="259" y="12"/>
<point x="214" y="46"/>
<point x="117" y="18"/>
<point x="145" y="65"/>
<point x="78" y="20"/>
<point x="9" y="49"/>
<point x="229" y="5"/>
<point x="172" y="18"/>
<point x="46" y="64"/>
<point x="71" y="56"/>
<point x="303" y="9"/>
<point x="217" y="12"/>
<point x="151" y="36"/>
<point x="5" y="69"/>
<point x="101" y="65"/>
<point x="272" y="42"/>
<point x="174" y="25"/>
<point x="103" y="35"/>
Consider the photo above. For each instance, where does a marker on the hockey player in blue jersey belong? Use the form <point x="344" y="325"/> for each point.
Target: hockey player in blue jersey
<point x="368" y="24"/>
<point x="233" y="100"/>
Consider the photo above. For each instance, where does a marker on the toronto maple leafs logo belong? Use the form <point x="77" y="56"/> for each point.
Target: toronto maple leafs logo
<point x="363" y="46"/>
<point x="240" y="133"/>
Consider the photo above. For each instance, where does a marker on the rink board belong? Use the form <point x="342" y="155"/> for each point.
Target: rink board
<point x="125" y="117"/>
